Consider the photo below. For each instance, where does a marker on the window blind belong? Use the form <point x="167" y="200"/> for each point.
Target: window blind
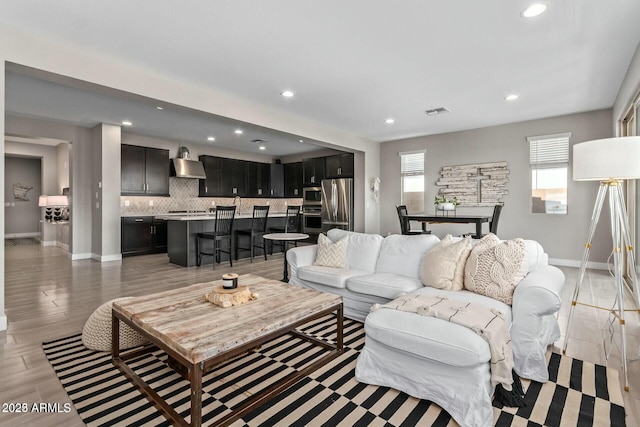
<point x="549" y="150"/>
<point x="412" y="163"/>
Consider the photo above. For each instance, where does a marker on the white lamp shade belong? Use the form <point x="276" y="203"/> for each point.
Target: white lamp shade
<point x="42" y="201"/>
<point x="609" y="158"/>
<point x="53" y="201"/>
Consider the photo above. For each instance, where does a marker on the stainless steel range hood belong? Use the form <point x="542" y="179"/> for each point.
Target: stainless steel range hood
<point x="184" y="167"/>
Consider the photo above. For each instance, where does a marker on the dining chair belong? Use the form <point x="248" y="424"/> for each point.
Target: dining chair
<point x="493" y="224"/>
<point x="291" y="225"/>
<point x="405" y="226"/>
<point x="257" y="230"/>
<point x="222" y="231"/>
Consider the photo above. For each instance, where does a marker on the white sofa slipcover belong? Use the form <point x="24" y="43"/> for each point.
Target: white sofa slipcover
<point x="411" y="352"/>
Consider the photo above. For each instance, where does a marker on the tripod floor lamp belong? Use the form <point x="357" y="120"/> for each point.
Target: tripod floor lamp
<point x="609" y="161"/>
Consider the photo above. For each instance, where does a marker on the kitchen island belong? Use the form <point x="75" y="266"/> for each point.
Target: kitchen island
<point x="183" y="229"/>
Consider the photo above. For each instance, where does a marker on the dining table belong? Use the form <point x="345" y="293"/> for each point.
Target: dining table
<point x="450" y="219"/>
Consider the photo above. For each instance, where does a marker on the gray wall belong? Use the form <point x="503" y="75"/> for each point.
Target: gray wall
<point x="562" y="236"/>
<point x="62" y="166"/>
<point x="22" y="218"/>
<point x="79" y="170"/>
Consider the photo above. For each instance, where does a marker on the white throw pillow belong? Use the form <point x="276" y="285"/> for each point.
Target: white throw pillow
<point x="332" y="254"/>
<point x="495" y="268"/>
<point x="443" y="266"/>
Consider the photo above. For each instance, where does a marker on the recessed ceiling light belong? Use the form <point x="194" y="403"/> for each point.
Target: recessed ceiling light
<point x="262" y="147"/>
<point x="390" y="121"/>
<point x="287" y="94"/>
<point x="159" y="108"/>
<point x="238" y="132"/>
<point x="126" y="123"/>
<point x="511" y="97"/>
<point x="534" y="10"/>
<point x="300" y="140"/>
<point x="211" y="138"/>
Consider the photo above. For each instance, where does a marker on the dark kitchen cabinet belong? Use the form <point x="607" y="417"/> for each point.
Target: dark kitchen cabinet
<point x="277" y="179"/>
<point x="210" y="187"/>
<point x="258" y="181"/>
<point x="293" y="179"/>
<point x="232" y="177"/>
<point x="339" y="166"/>
<point x="143" y="235"/>
<point x="313" y="171"/>
<point x="144" y="171"/>
<point x="159" y="236"/>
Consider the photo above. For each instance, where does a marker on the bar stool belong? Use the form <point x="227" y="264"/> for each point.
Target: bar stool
<point x="223" y="227"/>
<point x="291" y="225"/>
<point x="258" y="229"/>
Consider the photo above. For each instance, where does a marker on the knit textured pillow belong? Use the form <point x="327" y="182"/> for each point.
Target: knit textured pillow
<point x="443" y="266"/>
<point x="332" y="254"/>
<point x="495" y="268"/>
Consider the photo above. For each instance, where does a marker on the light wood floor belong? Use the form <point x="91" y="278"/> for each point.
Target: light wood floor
<point x="47" y="296"/>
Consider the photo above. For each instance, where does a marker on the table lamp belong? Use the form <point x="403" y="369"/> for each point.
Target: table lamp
<point x="48" y="211"/>
<point x="58" y="203"/>
<point x="610" y="161"/>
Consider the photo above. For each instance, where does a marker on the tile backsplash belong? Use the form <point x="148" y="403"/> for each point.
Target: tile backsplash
<point x="184" y="196"/>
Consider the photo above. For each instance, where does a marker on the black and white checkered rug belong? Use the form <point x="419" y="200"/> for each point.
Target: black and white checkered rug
<point x="579" y="393"/>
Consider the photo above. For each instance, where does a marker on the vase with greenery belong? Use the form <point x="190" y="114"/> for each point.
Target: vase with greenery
<point x="445" y="204"/>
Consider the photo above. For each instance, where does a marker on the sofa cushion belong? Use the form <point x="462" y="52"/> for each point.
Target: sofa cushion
<point x="495" y="267"/>
<point x="434" y="338"/>
<point x="403" y="255"/>
<point x="443" y="266"/>
<point x="363" y="249"/>
<point x="385" y="285"/>
<point x="329" y="276"/>
<point x="332" y="254"/>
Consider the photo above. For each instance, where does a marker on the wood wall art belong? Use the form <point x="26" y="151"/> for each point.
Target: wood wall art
<point x="479" y="184"/>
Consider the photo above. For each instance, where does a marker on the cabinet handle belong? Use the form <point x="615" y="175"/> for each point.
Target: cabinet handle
<point x="259" y="191"/>
<point x="234" y="190"/>
<point x="313" y="179"/>
<point x="295" y="191"/>
<point x="139" y="220"/>
<point x="272" y="192"/>
<point x="206" y="189"/>
<point x="339" y="171"/>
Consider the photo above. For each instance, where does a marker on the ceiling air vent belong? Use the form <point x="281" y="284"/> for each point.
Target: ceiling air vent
<point x="436" y="111"/>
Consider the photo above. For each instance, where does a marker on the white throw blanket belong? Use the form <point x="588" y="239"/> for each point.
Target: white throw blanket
<point x="488" y="323"/>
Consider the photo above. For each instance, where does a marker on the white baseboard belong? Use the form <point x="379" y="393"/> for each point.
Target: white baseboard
<point x="107" y="258"/>
<point x="21" y="235"/>
<point x="576" y="263"/>
<point x="48" y="242"/>
<point x="3" y="323"/>
<point x="75" y="257"/>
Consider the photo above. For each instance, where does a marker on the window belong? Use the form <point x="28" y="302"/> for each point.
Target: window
<point x="412" y="180"/>
<point x="549" y="160"/>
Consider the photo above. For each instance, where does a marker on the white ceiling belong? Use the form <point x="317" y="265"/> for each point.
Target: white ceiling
<point x="351" y="64"/>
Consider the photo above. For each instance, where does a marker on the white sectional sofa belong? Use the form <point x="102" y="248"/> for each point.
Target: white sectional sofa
<point x="424" y="356"/>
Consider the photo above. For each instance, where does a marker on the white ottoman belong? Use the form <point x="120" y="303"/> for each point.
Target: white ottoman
<point x="96" y="334"/>
<point x="431" y="359"/>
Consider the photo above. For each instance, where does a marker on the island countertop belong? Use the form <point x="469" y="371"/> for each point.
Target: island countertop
<point x="210" y="216"/>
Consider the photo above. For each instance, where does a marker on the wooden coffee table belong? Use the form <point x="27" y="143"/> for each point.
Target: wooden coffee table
<point x="199" y="335"/>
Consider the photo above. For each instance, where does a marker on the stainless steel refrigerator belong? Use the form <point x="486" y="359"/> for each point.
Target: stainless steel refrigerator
<point x="337" y="204"/>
